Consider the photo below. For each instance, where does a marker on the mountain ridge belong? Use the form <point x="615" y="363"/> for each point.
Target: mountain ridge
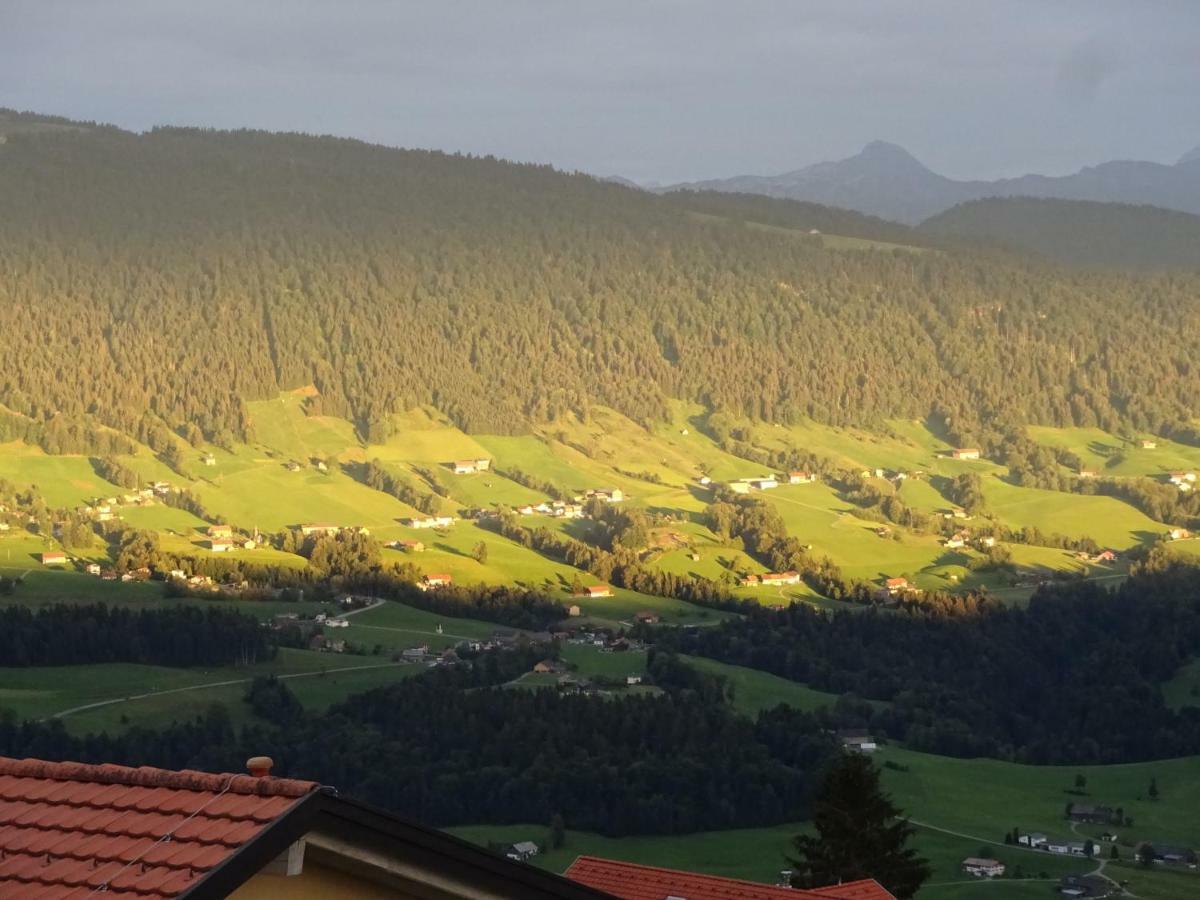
<point x="885" y="180"/>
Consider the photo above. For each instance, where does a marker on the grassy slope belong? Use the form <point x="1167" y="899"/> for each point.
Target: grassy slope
<point x="754" y="691"/>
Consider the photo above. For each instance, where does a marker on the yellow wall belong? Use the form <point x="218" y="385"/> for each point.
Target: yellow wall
<point x="314" y="883"/>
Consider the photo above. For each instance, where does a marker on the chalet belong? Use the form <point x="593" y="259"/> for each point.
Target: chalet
<point x="1178" y="534"/>
<point x="93" y="569"/>
<point x="765" y="483"/>
<point x="220" y="531"/>
<point x="983" y="868"/>
<point x="574" y="611"/>
<point x="436" y="580"/>
<point x="54" y="558"/>
<point x="320" y="528"/>
<point x="800" y="477"/>
<point x="597" y="590"/>
<point x="631" y="680"/>
<point x="964" y="453"/>
<point x="522" y="850"/>
<point x="788" y="577"/>
<point x="633" y="881"/>
<point x="896" y="585"/>
<point x="751" y="581"/>
<point x="470" y="466"/>
<point x="857" y="742"/>
<point x="1148" y="444"/>
<point x="646" y="617"/>
<point x="608" y="495"/>
<point x="1087" y="887"/>
<point x="1094" y="815"/>
<point x="219" y="545"/>
<point x="739" y="487"/>
<point x="1087" y="473"/>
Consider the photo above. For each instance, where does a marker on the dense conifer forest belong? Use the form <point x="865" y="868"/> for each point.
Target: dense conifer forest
<point x="157" y="281"/>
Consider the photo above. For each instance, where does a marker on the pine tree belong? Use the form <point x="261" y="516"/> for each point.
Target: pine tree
<point x="859" y="834"/>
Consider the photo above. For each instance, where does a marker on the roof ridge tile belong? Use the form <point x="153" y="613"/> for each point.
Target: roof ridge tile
<point x="148" y="776"/>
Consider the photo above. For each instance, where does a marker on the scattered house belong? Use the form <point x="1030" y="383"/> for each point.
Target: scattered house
<point x="337" y="623"/>
<point x="883" y="531"/>
<point x="430" y="522"/>
<point x="751" y="581"/>
<point x="93" y="569"/>
<point x="776" y="578"/>
<point x="1087" y="473"/>
<point x="177" y="574"/>
<point x="1075" y="848"/>
<point x="765" y="483"/>
<point x="646" y="617"/>
<point x="319" y="528"/>
<point x="1148" y="444"/>
<point x="54" y="558"/>
<point x="964" y="453"/>
<point x="987" y="541"/>
<point x="562" y="510"/>
<point x="1178" y="534"/>
<point x="574" y="611"/>
<point x="633" y="881"/>
<point x="410" y="546"/>
<point x="321" y="465"/>
<point x="470" y="466"/>
<point x="220" y="531"/>
<point x="1035" y="840"/>
<point x="415" y="654"/>
<point x="549" y="667"/>
<point x="522" y="851"/>
<point x="704" y="480"/>
<point x="983" y="868"/>
<point x="597" y="590"/>
<point x="293" y="466"/>
<point x="218" y="545"/>
<point x="739" y="487"/>
<point x="694" y="556"/>
<point x="435" y="580"/>
<point x="1168" y="854"/>
<point x="208" y="459"/>
<point x="799" y="477"/>
<point x="1105" y="556"/>
<point x="955" y="540"/>
<point x="631" y="680"/>
<point x="249" y="544"/>
<point x="896" y="585"/>
<point x="857" y="742"/>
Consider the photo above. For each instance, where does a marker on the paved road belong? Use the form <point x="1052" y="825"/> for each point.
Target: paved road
<point x="214" y="684"/>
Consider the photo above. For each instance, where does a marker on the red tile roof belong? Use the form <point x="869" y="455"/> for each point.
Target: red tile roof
<point x="67" y="829"/>
<point x="630" y="881"/>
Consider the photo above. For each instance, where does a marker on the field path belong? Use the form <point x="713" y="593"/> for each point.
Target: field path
<point x="362" y="609"/>
<point x="214" y="684"/>
<point x="461" y="637"/>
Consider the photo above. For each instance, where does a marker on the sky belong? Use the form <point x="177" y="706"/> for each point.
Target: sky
<point x="654" y="90"/>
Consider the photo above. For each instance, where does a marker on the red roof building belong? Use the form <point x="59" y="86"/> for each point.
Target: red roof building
<point x="70" y="831"/>
<point x="630" y="881"/>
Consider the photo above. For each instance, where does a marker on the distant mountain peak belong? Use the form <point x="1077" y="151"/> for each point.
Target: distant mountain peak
<point x="1191" y="156"/>
<point x="885" y="150"/>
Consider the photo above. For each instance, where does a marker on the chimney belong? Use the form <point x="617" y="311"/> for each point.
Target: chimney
<point x="259" y="766"/>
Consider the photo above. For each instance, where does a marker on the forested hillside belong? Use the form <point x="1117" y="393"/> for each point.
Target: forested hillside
<point x="160" y="280"/>
<point x="1077" y="232"/>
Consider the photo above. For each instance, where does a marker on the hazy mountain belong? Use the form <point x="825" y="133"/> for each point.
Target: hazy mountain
<point x="886" y="180"/>
<point x="1078" y="232"/>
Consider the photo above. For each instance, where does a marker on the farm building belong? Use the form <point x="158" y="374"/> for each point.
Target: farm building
<point x="1148" y="444"/>
<point x="751" y="581"/>
<point x="896" y="585"/>
<point x="631" y="680"/>
<point x="220" y="531"/>
<point x="956" y="540"/>
<point x="857" y="742"/>
<point x="964" y="453"/>
<point x="646" y="617"/>
<point x="54" y="558"/>
<point x="573" y="610"/>
<point x="774" y="578"/>
<point x="430" y="522"/>
<point x="220" y="545"/>
<point x="1035" y="839"/>
<point x="319" y="528"/>
<point x="765" y="483"/>
<point x="1178" y="534"/>
<point x="798" y="477"/>
<point x="609" y="495"/>
<point x="597" y="590"/>
<point x="739" y="487"/>
<point x="93" y="569"/>
<point x="470" y="466"/>
<point x="436" y="580"/>
<point x="411" y="546"/>
<point x="983" y="868"/>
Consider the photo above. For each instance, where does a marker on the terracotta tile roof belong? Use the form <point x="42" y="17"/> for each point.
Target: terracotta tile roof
<point x="68" y="829"/>
<point x="630" y="881"/>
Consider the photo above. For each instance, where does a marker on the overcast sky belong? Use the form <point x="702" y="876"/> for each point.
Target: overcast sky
<point x="657" y="90"/>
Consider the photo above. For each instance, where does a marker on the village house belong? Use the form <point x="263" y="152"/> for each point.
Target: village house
<point x="337" y="623"/>
<point x="574" y="610"/>
<point x="896" y="585"/>
<point x="562" y="510"/>
<point x="409" y="545"/>
<point x="704" y="481"/>
<point x="778" y="578"/>
<point x="609" y="495"/>
<point x="987" y="541"/>
<point x="220" y="545"/>
<point x="54" y="558"/>
<point x="4" y="526"/>
<point x="522" y="850"/>
<point x="293" y="466"/>
<point x="964" y="453"/>
<point x="1168" y="854"/>
<point x="646" y="617"/>
<point x="983" y="868"/>
<point x="1058" y="847"/>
